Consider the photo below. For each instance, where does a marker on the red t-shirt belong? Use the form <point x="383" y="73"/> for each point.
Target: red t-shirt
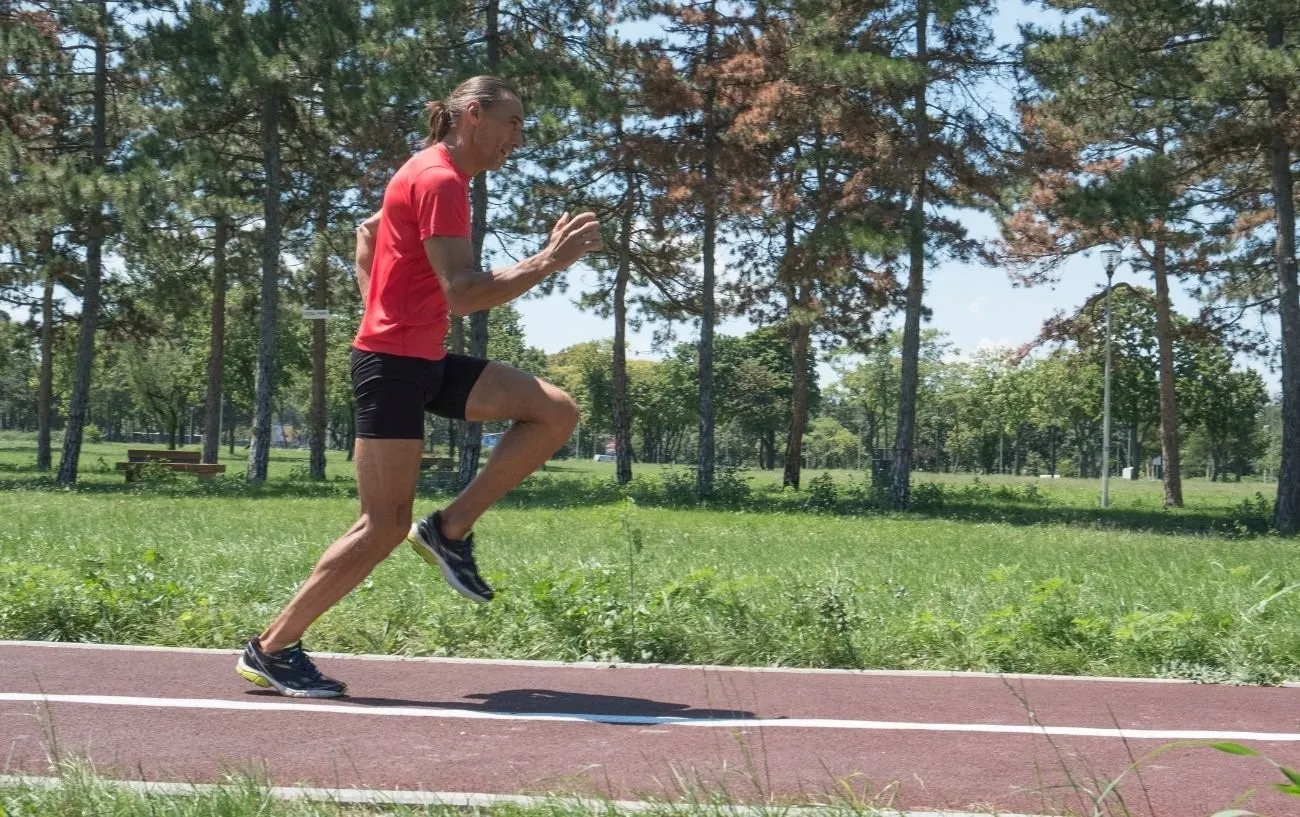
<point x="406" y="312"/>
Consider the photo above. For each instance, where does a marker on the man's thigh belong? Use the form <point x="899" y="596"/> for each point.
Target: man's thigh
<point x="505" y="393"/>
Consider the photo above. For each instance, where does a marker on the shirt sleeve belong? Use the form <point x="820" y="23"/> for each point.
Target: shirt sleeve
<point x="441" y="204"/>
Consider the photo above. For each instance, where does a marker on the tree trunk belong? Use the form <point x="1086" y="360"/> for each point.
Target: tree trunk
<point x="472" y="444"/>
<point x="1287" y="513"/>
<point x="458" y="346"/>
<point x="320" y="300"/>
<point x="622" y="421"/>
<point x="1051" y="437"/>
<point x="472" y="440"/>
<point x="216" y="345"/>
<point x="800" y="332"/>
<point x="352" y="433"/>
<point x="259" y="450"/>
<point x="45" y="391"/>
<point x="1134" y="447"/>
<point x="704" y="477"/>
<point x="1083" y="456"/>
<point x="1169" y="452"/>
<point x="902" y="465"/>
<point x="67" y="474"/>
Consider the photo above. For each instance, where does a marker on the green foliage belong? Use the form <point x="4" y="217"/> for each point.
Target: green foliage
<point x="977" y="491"/>
<point x="821" y="493"/>
<point x="1250" y="516"/>
<point x="1035" y="586"/>
<point x="155" y="471"/>
<point x="1291" y="787"/>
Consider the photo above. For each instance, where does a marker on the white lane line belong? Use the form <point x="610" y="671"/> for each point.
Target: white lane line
<point x="480" y="800"/>
<point x="611" y="665"/>
<point x="646" y="720"/>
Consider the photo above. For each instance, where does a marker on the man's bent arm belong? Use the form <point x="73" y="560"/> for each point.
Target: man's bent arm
<point x="366" y="232"/>
<point x="468" y="290"/>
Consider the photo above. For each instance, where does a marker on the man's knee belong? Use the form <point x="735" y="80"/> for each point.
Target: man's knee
<point x="564" y="413"/>
<point x="385" y="528"/>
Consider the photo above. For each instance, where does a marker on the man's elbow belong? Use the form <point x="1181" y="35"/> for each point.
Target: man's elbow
<point x="459" y="300"/>
<point x="467" y="294"/>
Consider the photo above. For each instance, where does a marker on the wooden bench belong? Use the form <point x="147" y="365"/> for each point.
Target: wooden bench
<point x="439" y="473"/>
<point x="187" y="461"/>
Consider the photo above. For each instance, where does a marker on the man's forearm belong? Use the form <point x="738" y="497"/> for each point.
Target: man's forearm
<point x="365" y="257"/>
<point x="472" y="291"/>
<point x="365" y="253"/>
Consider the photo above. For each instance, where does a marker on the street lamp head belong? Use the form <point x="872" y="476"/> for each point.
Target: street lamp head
<point x="1111" y="257"/>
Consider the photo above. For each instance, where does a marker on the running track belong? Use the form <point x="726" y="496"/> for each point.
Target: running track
<point x="916" y="741"/>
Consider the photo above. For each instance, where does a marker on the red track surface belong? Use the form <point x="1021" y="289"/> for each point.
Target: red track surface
<point x="456" y="752"/>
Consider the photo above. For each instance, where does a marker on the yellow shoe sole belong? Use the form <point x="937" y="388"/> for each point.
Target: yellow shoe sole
<point x="252" y="677"/>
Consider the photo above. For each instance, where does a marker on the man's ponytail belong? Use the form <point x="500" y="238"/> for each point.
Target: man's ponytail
<point x="439" y="122"/>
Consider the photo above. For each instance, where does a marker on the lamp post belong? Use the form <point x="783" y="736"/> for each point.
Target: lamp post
<point x="1111" y="257"/>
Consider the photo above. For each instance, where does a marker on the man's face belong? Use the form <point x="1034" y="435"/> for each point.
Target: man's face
<point x="500" y="130"/>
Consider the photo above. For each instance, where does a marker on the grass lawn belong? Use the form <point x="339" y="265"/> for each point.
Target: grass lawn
<point x="1002" y="573"/>
<point x="81" y="793"/>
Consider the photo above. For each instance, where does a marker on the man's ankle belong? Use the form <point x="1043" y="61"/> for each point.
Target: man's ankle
<point x="450" y="527"/>
<point x="271" y="647"/>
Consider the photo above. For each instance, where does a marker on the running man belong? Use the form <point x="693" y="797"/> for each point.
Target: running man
<point x="416" y="266"/>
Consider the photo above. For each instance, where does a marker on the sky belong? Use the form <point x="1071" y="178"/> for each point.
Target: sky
<point x="976" y="305"/>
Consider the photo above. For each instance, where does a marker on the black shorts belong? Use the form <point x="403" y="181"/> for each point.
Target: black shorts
<point x="394" y="392"/>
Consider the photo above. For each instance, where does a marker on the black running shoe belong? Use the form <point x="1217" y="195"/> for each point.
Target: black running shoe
<point x="289" y="672"/>
<point x="454" y="557"/>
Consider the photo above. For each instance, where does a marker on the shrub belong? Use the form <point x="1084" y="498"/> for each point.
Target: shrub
<point x="821" y="493"/>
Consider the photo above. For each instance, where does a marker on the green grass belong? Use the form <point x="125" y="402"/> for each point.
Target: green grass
<point x="996" y="574"/>
<point x="77" y="790"/>
<point x="95" y="466"/>
<point x="80" y="792"/>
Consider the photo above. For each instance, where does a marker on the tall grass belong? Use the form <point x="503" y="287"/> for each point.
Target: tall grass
<point x="998" y="575"/>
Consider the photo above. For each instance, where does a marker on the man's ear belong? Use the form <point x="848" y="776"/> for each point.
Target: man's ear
<point x="474" y="110"/>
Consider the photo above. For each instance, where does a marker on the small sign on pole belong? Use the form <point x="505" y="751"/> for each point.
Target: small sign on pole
<point x="315" y="314"/>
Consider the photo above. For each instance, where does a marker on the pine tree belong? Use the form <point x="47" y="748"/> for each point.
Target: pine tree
<point x="269" y="77"/>
<point x="1282" y="29"/>
<point x="93" y="29"/>
<point x="1235" y="84"/>
<point x="953" y="161"/>
<point x="808" y="120"/>
<point x="687" y="87"/>
<point x="330" y="137"/>
<point x="35" y="158"/>
<point x="641" y="275"/>
<point x="202" y="137"/>
<point x="1108" y="142"/>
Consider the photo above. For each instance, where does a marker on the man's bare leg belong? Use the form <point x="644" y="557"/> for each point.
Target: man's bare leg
<point x="387" y="472"/>
<point x="544" y="418"/>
